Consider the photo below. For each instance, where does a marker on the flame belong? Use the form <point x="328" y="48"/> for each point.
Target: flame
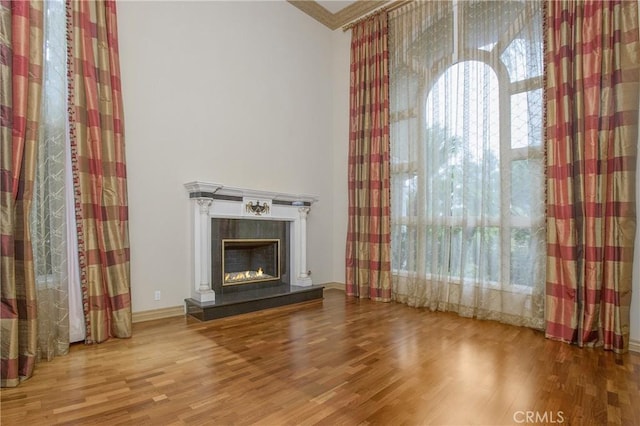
<point x="244" y="275"/>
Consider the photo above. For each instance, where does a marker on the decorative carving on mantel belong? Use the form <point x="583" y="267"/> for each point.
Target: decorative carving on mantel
<point x="257" y="207"/>
<point x="304" y="212"/>
<point x="204" y="204"/>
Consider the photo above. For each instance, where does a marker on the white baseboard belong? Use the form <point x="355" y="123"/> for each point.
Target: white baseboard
<point x="334" y="286"/>
<point x="634" y="345"/>
<point x="154" y="314"/>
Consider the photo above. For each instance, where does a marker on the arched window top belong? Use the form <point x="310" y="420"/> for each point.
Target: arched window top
<point x="464" y="103"/>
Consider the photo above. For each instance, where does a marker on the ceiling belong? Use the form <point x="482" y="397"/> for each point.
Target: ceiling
<point x="337" y="13"/>
<point x="334" y="6"/>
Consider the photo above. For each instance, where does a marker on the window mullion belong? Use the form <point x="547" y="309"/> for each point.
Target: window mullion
<point x="505" y="182"/>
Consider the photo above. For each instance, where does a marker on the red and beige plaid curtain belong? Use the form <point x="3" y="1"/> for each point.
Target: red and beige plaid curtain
<point x="21" y="49"/>
<point x="95" y="116"/>
<point x="368" y="264"/>
<point x="97" y="143"/>
<point x="592" y="54"/>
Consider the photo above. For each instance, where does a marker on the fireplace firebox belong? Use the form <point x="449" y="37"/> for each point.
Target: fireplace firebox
<point x="246" y="261"/>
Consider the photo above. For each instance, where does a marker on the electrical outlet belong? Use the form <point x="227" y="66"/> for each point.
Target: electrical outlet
<point x="156" y="295"/>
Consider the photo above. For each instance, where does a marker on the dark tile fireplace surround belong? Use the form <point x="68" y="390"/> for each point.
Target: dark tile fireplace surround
<point x="238" y="258"/>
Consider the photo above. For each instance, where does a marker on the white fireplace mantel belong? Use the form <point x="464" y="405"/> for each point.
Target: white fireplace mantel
<point x="210" y="200"/>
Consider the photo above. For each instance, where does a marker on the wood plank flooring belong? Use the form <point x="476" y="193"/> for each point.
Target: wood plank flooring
<point x="338" y="361"/>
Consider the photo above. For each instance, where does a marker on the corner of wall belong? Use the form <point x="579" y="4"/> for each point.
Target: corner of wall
<point x="334" y="286"/>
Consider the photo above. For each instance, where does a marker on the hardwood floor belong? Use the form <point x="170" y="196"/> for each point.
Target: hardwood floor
<point x="330" y="362"/>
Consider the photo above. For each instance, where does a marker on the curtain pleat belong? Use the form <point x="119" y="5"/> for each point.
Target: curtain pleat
<point x="98" y="159"/>
<point x="592" y="53"/>
<point x="21" y="56"/>
<point x="368" y="265"/>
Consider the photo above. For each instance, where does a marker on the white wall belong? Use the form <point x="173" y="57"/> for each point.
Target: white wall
<point x="237" y="93"/>
<point x="341" y="81"/>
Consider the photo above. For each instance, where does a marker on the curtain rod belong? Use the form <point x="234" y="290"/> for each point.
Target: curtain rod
<point x="394" y="4"/>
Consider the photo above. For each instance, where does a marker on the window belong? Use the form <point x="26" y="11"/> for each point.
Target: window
<point x="466" y="140"/>
<point x="54" y="242"/>
<point x="49" y="214"/>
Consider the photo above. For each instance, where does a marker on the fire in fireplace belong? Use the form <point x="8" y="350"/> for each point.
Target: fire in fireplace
<point x="250" y="260"/>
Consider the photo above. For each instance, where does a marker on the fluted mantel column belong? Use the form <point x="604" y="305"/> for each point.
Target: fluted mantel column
<point x="204" y="204"/>
<point x="303" y="278"/>
<point x="202" y="253"/>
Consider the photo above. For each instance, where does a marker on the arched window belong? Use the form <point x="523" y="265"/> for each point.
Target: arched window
<point x="462" y="171"/>
<point x="467" y="161"/>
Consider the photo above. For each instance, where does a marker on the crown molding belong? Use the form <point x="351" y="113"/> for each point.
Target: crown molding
<point x="357" y="10"/>
<point x="336" y="20"/>
<point x="316" y="11"/>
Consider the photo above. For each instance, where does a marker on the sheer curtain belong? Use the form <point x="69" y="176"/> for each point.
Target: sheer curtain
<point x="48" y="219"/>
<point x="468" y="231"/>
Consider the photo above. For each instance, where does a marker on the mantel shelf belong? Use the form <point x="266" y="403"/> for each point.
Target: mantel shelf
<point x="210" y="189"/>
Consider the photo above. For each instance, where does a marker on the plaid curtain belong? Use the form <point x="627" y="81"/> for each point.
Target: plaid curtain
<point x="368" y="265"/>
<point x="97" y="144"/>
<point x="592" y="111"/>
<point x="21" y="56"/>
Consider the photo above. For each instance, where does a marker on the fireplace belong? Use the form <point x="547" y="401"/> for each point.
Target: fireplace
<point x="246" y="224"/>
